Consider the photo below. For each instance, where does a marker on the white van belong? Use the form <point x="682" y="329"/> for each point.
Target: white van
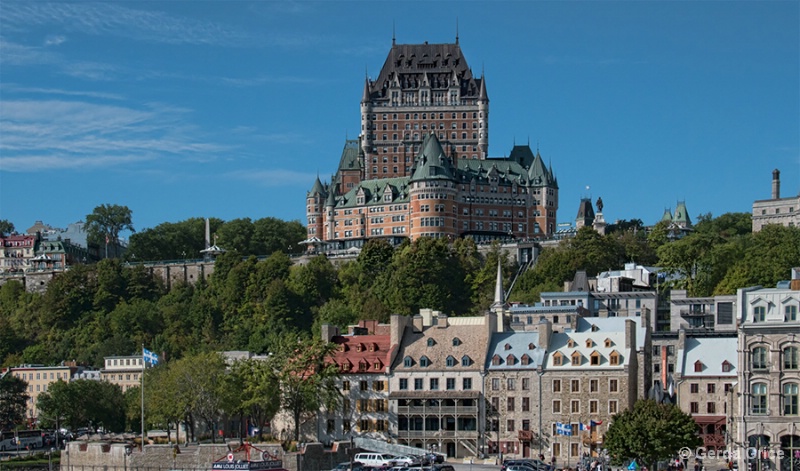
<point x="377" y="460"/>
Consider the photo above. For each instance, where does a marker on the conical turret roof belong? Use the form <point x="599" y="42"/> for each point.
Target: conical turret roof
<point x="432" y="163"/>
<point x="317" y="189"/>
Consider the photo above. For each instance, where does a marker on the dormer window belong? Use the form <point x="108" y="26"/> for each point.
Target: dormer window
<point x="362" y="366"/>
<point x="408" y="362"/>
<point x="595" y="328"/>
<point x="595" y="358"/>
<point x="589" y="343"/>
<point x="698" y="366"/>
<point x="496" y="360"/>
<point x="608" y="343"/>
<point x="557" y="359"/>
<point x="346" y="366"/>
<point x="342" y="348"/>
<point x="456" y="341"/>
<point x="507" y="346"/>
<point x="466" y="361"/>
<point x="377" y="365"/>
<point x="431" y="342"/>
<point x="571" y="343"/>
<point x="726" y="367"/>
<point x="372" y="347"/>
<point x="577" y="358"/>
<point x="525" y="360"/>
<point x="511" y="360"/>
<point x="359" y="347"/>
<point x="424" y="361"/>
<point x="451" y="361"/>
<point x="613" y="359"/>
<point x="531" y="346"/>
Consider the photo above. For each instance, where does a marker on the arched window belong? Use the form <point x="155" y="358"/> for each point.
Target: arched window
<point x="790" y="358"/>
<point x="451" y="361"/>
<point x="790" y="396"/>
<point x="759" y="393"/>
<point x="759" y="358"/>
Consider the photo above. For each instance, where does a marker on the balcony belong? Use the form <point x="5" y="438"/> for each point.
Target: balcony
<point x="437" y="434"/>
<point x="431" y="410"/>
<point x="694" y="313"/>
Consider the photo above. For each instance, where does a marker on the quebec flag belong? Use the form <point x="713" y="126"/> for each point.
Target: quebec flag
<point x="563" y="429"/>
<point x="149" y="357"/>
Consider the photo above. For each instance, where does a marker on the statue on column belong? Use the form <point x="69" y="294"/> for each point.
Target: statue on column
<point x="599" y="205"/>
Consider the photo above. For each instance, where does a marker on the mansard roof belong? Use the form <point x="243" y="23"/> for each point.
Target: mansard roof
<point x="585" y="210"/>
<point x="373" y="191"/>
<point x="373" y="351"/>
<point x="350" y="155"/>
<point x="517" y="344"/>
<point x="434" y="66"/>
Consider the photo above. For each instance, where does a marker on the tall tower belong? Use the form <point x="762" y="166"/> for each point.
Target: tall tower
<point x="422" y="89"/>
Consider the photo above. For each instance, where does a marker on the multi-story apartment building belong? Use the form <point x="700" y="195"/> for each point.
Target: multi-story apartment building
<point x="124" y="371"/>
<point x="776" y="210"/>
<point x="16" y="252"/>
<point x="769" y="375"/>
<point x="420" y="166"/>
<point x="39" y="379"/>
<point x="712" y="313"/>
<point x="706" y="382"/>
<point x="363" y="356"/>
<point x="514" y="369"/>
<point x="436" y="386"/>
<point x="590" y="374"/>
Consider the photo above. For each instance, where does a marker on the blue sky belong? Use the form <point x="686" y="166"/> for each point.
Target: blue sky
<point x="184" y="109"/>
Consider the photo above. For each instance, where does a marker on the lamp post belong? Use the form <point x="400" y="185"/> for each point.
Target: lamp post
<point x="128" y="451"/>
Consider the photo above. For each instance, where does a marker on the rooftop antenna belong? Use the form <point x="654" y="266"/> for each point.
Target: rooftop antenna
<point x="456" y="30"/>
<point x="393" y="35"/>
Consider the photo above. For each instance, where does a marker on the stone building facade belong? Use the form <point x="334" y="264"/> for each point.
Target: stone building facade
<point x="39" y="379"/>
<point x="124" y="371"/>
<point x="776" y="210"/>
<point x="769" y="375"/>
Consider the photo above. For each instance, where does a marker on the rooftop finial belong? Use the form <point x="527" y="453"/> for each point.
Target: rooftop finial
<point x="456" y="30"/>
<point x="394" y="39"/>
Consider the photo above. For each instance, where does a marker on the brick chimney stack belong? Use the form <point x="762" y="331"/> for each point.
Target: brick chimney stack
<point x="776" y="184"/>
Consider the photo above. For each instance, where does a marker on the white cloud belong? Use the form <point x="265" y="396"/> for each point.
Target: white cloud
<point x="54" y="40"/>
<point x="46" y="134"/>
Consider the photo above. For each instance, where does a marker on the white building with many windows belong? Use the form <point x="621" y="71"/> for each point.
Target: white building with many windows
<point x="769" y="375"/>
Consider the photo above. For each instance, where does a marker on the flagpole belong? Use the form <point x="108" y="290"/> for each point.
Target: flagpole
<point x="142" y="398"/>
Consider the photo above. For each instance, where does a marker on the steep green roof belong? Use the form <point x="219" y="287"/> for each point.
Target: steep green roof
<point x="432" y="163"/>
<point x="317" y="189"/>
<point x="667" y="215"/>
<point x="682" y="215"/>
<point x="372" y="188"/>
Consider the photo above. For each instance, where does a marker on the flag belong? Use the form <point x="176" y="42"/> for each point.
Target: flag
<point x="583" y="427"/>
<point x="150" y="357"/>
<point x="563" y="429"/>
<point x="595" y="422"/>
<point x="106" y="239"/>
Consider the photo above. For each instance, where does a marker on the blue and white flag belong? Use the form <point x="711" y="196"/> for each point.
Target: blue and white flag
<point x="149" y="357"/>
<point x="563" y="429"/>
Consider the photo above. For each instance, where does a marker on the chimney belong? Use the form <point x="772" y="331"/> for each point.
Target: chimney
<point x="329" y="331"/>
<point x="776" y="184"/>
<point x="545" y="332"/>
<point x="398" y="325"/>
<point x="417" y="322"/>
<point x="630" y="334"/>
<point x="441" y="320"/>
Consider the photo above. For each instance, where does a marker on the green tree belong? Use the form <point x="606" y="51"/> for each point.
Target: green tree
<point x="83" y="403"/>
<point x="6" y="227"/>
<point x="106" y="222"/>
<point x="650" y="432"/>
<point x="13" y="401"/>
<point x="258" y="388"/>
<point x="307" y="379"/>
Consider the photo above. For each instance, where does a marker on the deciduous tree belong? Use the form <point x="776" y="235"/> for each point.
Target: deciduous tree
<point x="13" y="401"/>
<point x="106" y="222"/>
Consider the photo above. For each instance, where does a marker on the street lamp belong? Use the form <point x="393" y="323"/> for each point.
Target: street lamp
<point x="128" y="451"/>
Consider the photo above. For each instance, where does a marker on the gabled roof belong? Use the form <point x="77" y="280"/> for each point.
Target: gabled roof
<point x="362" y="352"/>
<point x="712" y="352"/>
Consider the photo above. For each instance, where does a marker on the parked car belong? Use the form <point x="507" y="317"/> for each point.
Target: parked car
<point x="407" y="460"/>
<point x="378" y="460"/>
<point x="345" y="466"/>
<point x="435" y="458"/>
